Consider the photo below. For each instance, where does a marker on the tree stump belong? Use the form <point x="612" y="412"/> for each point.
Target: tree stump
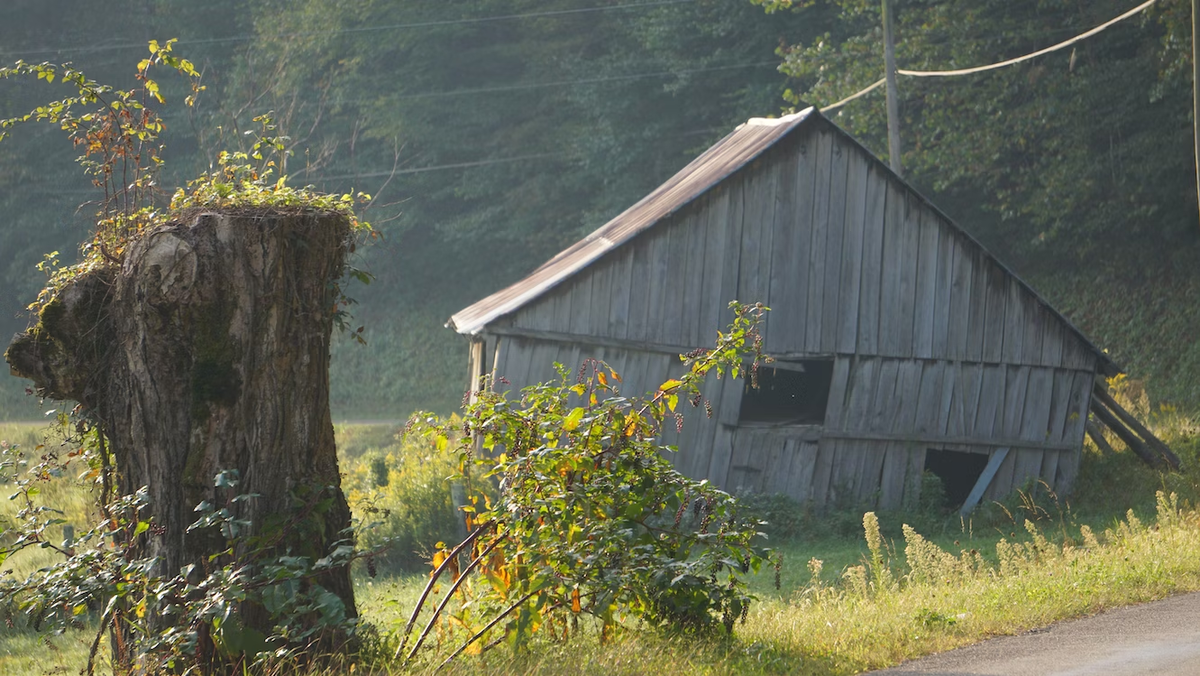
<point x="208" y="350"/>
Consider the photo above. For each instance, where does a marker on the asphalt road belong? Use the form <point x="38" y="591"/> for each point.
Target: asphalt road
<point x="1160" y="638"/>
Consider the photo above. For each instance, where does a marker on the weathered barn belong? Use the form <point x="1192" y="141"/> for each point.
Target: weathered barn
<point x="900" y="344"/>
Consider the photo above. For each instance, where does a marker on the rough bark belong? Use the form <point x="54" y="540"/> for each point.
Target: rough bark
<point x="208" y="350"/>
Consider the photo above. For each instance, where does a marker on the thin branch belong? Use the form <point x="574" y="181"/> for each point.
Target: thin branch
<point x="488" y="628"/>
<point x="433" y="579"/>
<point x="450" y="594"/>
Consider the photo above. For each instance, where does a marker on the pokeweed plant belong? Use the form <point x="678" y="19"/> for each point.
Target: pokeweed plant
<point x="590" y="517"/>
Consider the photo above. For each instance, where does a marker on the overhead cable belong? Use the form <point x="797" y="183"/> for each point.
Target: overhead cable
<point x="1002" y="64"/>
<point x="360" y="29"/>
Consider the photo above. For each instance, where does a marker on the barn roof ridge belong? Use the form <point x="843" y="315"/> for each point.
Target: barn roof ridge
<point x="737" y="149"/>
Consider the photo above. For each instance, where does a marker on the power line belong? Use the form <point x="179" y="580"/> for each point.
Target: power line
<point x="1002" y="64"/>
<point x="360" y="29"/>
<point x="1062" y="45"/>
<point x="438" y="167"/>
<point x="567" y="83"/>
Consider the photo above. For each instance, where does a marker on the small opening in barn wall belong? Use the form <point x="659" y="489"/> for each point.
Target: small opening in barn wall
<point x="958" y="471"/>
<point x="795" y="393"/>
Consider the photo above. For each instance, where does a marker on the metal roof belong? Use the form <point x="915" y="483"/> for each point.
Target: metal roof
<point x="737" y="149"/>
<point x="731" y="153"/>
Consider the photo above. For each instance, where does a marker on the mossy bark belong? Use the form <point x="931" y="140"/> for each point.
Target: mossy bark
<point x="208" y="350"/>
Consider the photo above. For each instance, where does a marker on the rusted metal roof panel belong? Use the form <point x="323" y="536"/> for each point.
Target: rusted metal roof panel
<point x="729" y="154"/>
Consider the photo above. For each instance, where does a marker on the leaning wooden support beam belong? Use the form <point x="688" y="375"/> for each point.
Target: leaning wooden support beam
<point x="1156" y="445"/>
<point x="1097" y="435"/>
<point x="1126" y="435"/>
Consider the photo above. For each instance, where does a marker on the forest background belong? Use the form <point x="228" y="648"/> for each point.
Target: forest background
<point x="494" y="133"/>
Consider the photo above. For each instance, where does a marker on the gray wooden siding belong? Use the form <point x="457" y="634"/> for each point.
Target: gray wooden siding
<point x="936" y="345"/>
<point x="849" y="260"/>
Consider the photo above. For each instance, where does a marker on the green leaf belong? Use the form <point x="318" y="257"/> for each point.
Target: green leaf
<point x="572" y="420"/>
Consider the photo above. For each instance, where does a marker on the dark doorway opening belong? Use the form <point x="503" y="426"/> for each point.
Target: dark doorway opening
<point x="958" y="471"/>
<point x="792" y="394"/>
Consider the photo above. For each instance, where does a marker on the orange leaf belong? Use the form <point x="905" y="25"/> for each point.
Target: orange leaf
<point x="602" y="378"/>
<point x="575" y="605"/>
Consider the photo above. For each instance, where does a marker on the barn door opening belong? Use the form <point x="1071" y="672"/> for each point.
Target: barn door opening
<point x="788" y="393"/>
<point x="958" y="471"/>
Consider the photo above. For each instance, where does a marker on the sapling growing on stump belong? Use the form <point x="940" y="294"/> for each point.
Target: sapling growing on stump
<point x="196" y="341"/>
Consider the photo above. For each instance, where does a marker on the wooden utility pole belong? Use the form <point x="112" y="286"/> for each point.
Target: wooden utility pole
<point x="893" y="96"/>
<point x="1195" y="88"/>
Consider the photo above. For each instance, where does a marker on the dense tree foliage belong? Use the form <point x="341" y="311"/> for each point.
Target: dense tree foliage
<point x="494" y="133"/>
<point x="1076" y="167"/>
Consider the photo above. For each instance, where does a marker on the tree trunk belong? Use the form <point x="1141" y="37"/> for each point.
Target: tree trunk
<point x="208" y="350"/>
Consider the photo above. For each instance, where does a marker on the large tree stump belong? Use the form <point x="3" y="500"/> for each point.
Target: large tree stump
<point x="208" y="350"/>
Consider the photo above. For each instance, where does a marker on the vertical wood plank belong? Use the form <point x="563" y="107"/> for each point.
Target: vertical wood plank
<point x="801" y="249"/>
<point x="712" y="303"/>
<point x="1052" y="339"/>
<point x="1014" y="324"/>
<point x="864" y="379"/>
<point x="839" y="388"/>
<point x="885" y="399"/>
<point x="783" y="271"/>
<point x="823" y="471"/>
<point x="718" y="470"/>
<point x="989" y="412"/>
<point x="1060" y="404"/>
<point x="871" y="262"/>
<point x="1027" y="468"/>
<point x="930" y="399"/>
<point x="820" y="234"/>
<point x="960" y="300"/>
<point x="834" y="239"/>
<point x="670" y="328"/>
<point x="890" y="316"/>
<point x="1035" y="331"/>
<point x="618" y="311"/>
<point x="693" y="281"/>
<point x="776" y="479"/>
<point x="893" y="474"/>
<point x="849" y="290"/>
<point x="804" y="465"/>
<point x="869" y="485"/>
<point x="977" y="321"/>
<point x="997" y="299"/>
<point x="601" y="305"/>
<point x="1035" y="423"/>
<point x="732" y="259"/>
<point x="945" y="281"/>
<point x="910" y="241"/>
<point x="581" y="305"/>
<point x="915" y="454"/>
<point x="926" y="261"/>
<point x="656" y="288"/>
<point x="771" y="179"/>
<point x="908" y="394"/>
<point x="640" y="286"/>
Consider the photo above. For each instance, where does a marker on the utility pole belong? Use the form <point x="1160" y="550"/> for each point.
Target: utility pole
<point x="1195" y="88"/>
<point x="893" y="96"/>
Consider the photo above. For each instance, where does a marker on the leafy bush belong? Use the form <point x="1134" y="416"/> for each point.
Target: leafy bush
<point x="591" y="518"/>
<point x="402" y="496"/>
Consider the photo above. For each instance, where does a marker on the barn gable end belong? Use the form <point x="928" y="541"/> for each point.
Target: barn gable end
<point x="933" y="354"/>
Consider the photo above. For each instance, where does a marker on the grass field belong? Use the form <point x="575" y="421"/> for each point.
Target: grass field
<point x="855" y="610"/>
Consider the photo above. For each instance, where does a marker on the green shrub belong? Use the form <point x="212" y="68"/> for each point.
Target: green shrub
<point x="401" y="496"/>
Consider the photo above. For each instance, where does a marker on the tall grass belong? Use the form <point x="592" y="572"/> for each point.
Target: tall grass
<point x="854" y="595"/>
